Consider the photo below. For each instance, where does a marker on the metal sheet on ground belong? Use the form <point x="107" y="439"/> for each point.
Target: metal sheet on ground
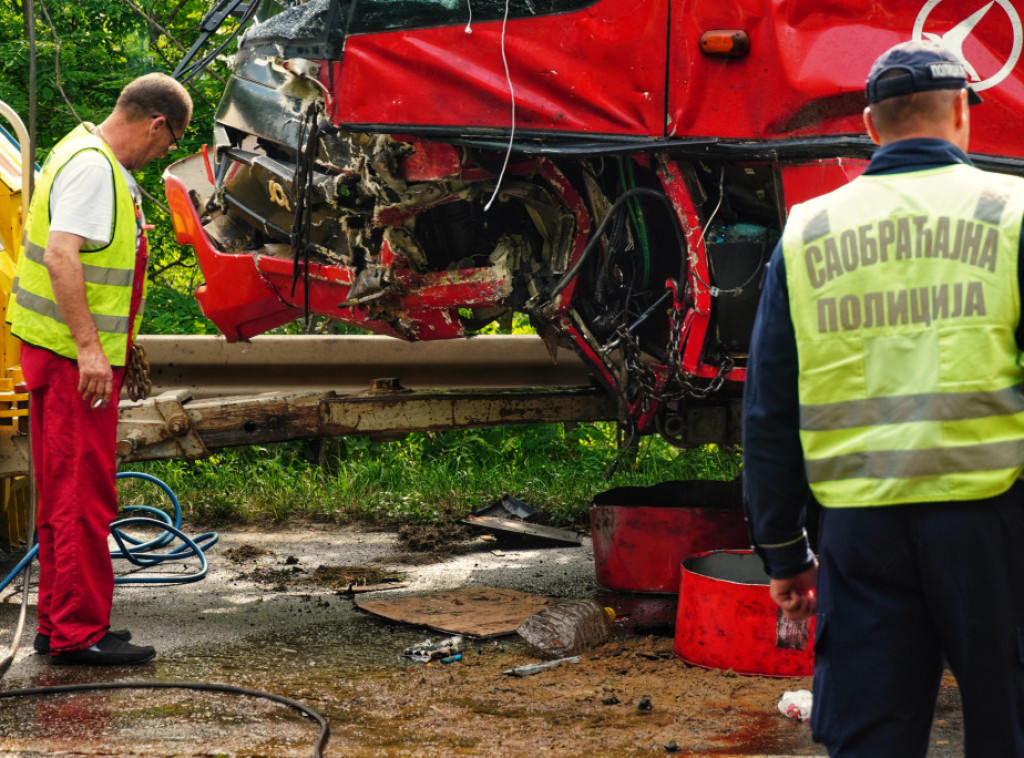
<point x="533" y="531"/>
<point x="473" y="611"/>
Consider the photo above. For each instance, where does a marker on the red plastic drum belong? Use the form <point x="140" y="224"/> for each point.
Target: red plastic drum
<point x="726" y="620"/>
<point x="642" y="534"/>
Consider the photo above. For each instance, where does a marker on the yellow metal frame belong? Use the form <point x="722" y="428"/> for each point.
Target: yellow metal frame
<point x="14" y="199"/>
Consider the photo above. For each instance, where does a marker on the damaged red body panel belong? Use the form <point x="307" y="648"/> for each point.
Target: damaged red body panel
<point x="422" y="169"/>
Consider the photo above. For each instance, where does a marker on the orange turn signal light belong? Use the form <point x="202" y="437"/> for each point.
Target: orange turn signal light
<point x="725" y="43"/>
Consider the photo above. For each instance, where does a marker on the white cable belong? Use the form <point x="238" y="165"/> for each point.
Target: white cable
<point x="469" y="21"/>
<point x="512" y="95"/>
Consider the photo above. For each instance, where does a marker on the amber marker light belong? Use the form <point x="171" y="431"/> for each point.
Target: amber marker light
<point x="725" y="43"/>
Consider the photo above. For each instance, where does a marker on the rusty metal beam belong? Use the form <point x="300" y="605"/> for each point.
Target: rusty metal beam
<point x="208" y="393"/>
<point x="171" y="426"/>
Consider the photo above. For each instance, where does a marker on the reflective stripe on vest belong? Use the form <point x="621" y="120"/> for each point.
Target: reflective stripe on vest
<point x="108" y="271"/>
<point x="904" y="297"/>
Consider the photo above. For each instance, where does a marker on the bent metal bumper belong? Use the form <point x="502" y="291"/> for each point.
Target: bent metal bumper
<point x="250" y="292"/>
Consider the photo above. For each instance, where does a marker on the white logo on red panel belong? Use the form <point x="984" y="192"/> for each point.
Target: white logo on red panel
<point x="956" y="37"/>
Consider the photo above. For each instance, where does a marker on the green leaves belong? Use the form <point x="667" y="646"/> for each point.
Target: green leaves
<point x="87" y="51"/>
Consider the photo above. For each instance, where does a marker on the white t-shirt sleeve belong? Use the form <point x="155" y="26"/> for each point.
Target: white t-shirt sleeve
<point x="82" y="199"/>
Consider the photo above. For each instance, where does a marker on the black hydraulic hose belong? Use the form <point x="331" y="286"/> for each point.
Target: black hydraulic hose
<point x="305" y="157"/>
<point x="620" y="201"/>
<point x="325" y="730"/>
<point x="186" y="70"/>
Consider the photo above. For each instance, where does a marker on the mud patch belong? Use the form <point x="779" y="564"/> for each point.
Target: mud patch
<point x="290" y="575"/>
<point x="351" y="578"/>
<point x="432" y="543"/>
<point x="246" y="552"/>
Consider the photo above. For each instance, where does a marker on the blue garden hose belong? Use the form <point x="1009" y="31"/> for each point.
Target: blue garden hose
<point x="139" y="552"/>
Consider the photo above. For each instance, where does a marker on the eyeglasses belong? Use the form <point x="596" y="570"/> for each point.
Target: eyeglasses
<point x="174" y="137"/>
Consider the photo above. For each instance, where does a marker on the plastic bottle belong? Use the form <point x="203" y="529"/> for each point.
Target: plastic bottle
<point x="567" y="628"/>
<point x="796" y="704"/>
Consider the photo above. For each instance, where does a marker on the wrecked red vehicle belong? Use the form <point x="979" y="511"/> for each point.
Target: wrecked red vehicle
<point x="619" y="171"/>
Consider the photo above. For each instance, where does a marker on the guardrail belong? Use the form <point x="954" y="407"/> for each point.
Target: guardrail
<point x="214" y="367"/>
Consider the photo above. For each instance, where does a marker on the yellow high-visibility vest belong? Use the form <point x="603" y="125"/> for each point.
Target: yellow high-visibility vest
<point x="109" y="271"/>
<point x="904" y="297"/>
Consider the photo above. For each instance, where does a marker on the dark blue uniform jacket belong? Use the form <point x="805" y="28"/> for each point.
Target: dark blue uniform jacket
<point x="775" y="484"/>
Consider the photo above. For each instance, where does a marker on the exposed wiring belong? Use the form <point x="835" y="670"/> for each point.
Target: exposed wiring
<point x="305" y="157"/>
<point x="512" y="95"/>
<point x="636" y="212"/>
<point x="620" y="201"/>
<point x="305" y="710"/>
<point x="712" y="290"/>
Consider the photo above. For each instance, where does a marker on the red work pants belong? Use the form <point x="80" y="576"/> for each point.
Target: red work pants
<point x="74" y="455"/>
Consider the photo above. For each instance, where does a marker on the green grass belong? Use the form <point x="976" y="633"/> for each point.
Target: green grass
<point x="424" y="477"/>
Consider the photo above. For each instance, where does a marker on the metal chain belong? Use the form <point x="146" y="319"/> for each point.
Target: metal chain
<point x="679" y="384"/>
<point x="137" y="381"/>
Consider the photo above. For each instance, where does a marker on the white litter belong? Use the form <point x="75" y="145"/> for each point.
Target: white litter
<point x="796" y="704"/>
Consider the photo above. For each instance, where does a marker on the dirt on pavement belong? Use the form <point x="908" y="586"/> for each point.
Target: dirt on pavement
<point x="276" y="614"/>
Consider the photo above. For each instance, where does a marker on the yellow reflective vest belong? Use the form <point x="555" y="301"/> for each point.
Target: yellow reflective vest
<point x="904" y="297"/>
<point x="109" y="271"/>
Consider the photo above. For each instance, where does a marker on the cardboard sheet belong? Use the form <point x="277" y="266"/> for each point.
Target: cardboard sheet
<point x="472" y="611"/>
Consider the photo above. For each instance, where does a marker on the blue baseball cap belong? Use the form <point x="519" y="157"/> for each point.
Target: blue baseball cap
<point x="925" y="66"/>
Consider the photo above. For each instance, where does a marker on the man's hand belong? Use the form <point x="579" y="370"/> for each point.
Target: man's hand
<point x="796" y="595"/>
<point x="95" y="377"/>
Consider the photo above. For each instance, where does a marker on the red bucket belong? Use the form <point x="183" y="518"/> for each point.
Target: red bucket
<point x="726" y="619"/>
<point x="642" y="534"/>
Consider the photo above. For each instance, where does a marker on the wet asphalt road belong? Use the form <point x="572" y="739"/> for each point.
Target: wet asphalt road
<point x="228" y="626"/>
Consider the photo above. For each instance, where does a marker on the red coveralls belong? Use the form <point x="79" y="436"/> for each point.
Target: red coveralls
<point x="74" y="456"/>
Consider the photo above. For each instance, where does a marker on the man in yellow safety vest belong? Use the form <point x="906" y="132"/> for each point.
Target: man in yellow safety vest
<point x="76" y="305"/>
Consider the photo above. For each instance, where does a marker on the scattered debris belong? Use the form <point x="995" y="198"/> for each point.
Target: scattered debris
<point x="505" y="507"/>
<point x="535" y="668"/>
<point x="428" y="650"/>
<point x="342" y="579"/>
<point x="672" y="747"/>
<point x="645" y="706"/>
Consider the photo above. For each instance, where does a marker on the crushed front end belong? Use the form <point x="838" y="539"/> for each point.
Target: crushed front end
<point x="639" y="250"/>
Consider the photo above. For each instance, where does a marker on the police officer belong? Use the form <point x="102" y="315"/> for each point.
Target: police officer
<point x="76" y="306"/>
<point x="885" y="384"/>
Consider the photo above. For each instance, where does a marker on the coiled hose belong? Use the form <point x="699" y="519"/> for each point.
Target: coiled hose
<point x="140" y="553"/>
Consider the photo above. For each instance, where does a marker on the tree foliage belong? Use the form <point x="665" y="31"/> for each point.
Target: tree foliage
<point x="86" y="51"/>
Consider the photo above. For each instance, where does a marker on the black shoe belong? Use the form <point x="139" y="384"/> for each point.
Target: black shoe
<point x="42" y="641"/>
<point x="109" y="651"/>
